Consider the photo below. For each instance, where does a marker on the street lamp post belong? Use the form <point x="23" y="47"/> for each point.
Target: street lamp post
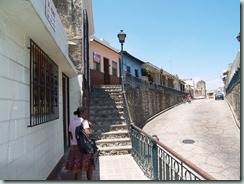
<point x="238" y="37"/>
<point x="121" y="37"/>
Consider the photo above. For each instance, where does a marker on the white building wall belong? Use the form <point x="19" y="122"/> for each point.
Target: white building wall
<point x="75" y="93"/>
<point x="26" y="153"/>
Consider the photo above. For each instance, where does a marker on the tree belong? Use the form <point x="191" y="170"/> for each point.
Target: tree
<point x="146" y="72"/>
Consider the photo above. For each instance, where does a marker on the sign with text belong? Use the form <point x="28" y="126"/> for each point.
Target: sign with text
<point x="51" y="14"/>
<point x="96" y="57"/>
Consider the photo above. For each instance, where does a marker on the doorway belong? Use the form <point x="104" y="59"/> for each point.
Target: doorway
<point x="106" y="71"/>
<point x="65" y="89"/>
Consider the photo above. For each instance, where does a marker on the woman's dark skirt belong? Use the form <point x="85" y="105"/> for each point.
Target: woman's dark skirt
<point x="78" y="161"/>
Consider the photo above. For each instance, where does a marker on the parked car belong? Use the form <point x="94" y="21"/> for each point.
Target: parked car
<point x="219" y="96"/>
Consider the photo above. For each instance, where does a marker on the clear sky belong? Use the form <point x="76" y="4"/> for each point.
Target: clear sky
<point x="191" y="38"/>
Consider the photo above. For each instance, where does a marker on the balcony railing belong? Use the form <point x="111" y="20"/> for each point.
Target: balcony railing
<point x="142" y="84"/>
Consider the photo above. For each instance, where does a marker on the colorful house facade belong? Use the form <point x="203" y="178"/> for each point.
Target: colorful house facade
<point x="104" y="63"/>
<point x="132" y="65"/>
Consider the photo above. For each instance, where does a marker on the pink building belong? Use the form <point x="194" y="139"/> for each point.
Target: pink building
<point x="104" y="63"/>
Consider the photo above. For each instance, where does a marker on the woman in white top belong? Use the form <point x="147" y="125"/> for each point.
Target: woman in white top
<point x="77" y="161"/>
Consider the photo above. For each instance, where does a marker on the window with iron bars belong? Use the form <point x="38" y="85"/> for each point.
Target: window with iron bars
<point x="44" y="104"/>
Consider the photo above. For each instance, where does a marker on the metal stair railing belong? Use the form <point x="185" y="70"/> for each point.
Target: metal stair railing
<point x="159" y="162"/>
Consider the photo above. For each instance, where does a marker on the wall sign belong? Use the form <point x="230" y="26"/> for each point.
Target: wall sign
<point x="51" y="14"/>
<point x="96" y="57"/>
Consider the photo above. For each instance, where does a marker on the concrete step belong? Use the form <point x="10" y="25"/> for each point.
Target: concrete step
<point x="109" y="99"/>
<point x="119" y="127"/>
<point x="106" y="102"/>
<point x="102" y="122"/>
<point x="107" y="115"/>
<point x="113" y="142"/>
<point x="118" y="150"/>
<point x="105" y="111"/>
<point x="99" y="120"/>
<point x="99" y="128"/>
<point x="115" y="134"/>
<point x="106" y="94"/>
<point x="114" y="106"/>
<point x="108" y="127"/>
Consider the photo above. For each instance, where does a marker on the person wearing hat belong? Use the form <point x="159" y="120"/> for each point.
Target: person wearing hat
<point x="77" y="161"/>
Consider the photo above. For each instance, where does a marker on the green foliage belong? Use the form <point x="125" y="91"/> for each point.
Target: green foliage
<point x="146" y="72"/>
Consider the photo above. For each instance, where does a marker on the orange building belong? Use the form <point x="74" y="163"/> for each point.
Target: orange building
<point x="104" y="63"/>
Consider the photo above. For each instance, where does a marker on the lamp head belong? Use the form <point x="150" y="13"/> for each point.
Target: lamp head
<point x="238" y="37"/>
<point x="121" y="36"/>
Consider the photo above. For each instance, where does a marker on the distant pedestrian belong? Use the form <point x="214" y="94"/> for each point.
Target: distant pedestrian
<point x="188" y="98"/>
<point x="77" y="161"/>
<point x="184" y="98"/>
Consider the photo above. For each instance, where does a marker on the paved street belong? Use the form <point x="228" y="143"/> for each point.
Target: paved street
<point x="210" y="124"/>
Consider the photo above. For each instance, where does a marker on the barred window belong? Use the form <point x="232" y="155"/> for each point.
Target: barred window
<point x="43" y="87"/>
<point x="114" y="68"/>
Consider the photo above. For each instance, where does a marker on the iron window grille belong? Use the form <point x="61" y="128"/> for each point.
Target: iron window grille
<point x="44" y="103"/>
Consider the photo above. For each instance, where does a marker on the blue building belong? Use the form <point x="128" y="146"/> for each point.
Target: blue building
<point x="132" y="65"/>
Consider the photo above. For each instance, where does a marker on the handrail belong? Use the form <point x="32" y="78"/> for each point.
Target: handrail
<point x="125" y="100"/>
<point x="127" y="108"/>
<point x="176" y="155"/>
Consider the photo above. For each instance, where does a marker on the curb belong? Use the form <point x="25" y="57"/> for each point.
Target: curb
<point x="156" y="115"/>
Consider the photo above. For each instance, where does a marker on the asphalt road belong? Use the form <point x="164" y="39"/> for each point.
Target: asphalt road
<point x="211" y="126"/>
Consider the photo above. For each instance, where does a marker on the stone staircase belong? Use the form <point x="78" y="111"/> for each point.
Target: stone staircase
<point x="109" y="124"/>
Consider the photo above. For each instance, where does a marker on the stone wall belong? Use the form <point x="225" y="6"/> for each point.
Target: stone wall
<point x="144" y="103"/>
<point x="70" y="13"/>
<point x="234" y="100"/>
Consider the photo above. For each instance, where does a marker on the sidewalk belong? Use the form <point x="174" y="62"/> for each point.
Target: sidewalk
<point x="118" y="167"/>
